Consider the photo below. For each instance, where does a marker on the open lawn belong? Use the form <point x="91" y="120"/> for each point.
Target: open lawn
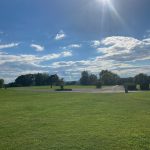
<point x="74" y="88"/>
<point x="74" y="121"/>
<point x="54" y="87"/>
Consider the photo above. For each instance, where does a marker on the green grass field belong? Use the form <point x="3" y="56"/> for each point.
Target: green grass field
<point x="54" y="87"/>
<point x="74" y="121"/>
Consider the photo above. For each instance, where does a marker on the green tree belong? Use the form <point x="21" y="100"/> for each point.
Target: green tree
<point x="61" y="83"/>
<point x="41" y="79"/>
<point x="141" y="78"/>
<point x="84" y="80"/>
<point x="1" y="83"/>
<point x="93" y="79"/>
<point x="53" y="79"/>
<point x="109" y="78"/>
<point x="25" y="80"/>
<point x="143" y="81"/>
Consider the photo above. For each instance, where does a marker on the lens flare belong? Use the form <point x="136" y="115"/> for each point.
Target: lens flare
<point x="107" y="5"/>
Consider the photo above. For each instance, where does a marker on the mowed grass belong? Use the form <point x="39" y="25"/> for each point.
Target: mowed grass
<point x="54" y="87"/>
<point x="73" y="121"/>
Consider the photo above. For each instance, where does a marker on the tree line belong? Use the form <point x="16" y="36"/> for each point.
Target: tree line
<point x="38" y="79"/>
<point x="106" y="77"/>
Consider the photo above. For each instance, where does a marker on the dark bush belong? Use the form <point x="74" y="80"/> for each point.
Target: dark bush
<point x="99" y="85"/>
<point x="130" y="86"/>
<point x="144" y="86"/>
<point x="62" y="87"/>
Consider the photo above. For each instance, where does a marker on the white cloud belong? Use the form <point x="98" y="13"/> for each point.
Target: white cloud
<point x="37" y="47"/>
<point x="70" y="47"/>
<point x="11" y="45"/>
<point x="66" y="53"/>
<point x="74" y="46"/>
<point x="60" y="36"/>
<point x="121" y="48"/>
<point x="33" y="59"/>
<point x="126" y="56"/>
<point x="95" y="43"/>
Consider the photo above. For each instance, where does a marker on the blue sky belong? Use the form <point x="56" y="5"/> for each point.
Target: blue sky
<point x="69" y="36"/>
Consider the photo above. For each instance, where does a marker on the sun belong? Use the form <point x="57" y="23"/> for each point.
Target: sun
<point x="109" y="6"/>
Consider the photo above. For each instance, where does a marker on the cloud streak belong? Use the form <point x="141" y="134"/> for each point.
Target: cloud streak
<point x="11" y="45"/>
<point x="33" y="59"/>
<point x="37" y="47"/>
<point x="71" y="47"/>
<point x="75" y="46"/>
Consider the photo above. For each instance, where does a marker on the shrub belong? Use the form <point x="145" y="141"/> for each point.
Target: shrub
<point x="130" y="86"/>
<point x="62" y="87"/>
<point x="99" y="85"/>
<point x="144" y="86"/>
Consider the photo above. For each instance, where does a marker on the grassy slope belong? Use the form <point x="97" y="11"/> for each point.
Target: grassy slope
<point x="41" y="121"/>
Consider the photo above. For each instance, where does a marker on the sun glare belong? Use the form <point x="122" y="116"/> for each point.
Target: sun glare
<point x="108" y="5"/>
<point x="104" y="2"/>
